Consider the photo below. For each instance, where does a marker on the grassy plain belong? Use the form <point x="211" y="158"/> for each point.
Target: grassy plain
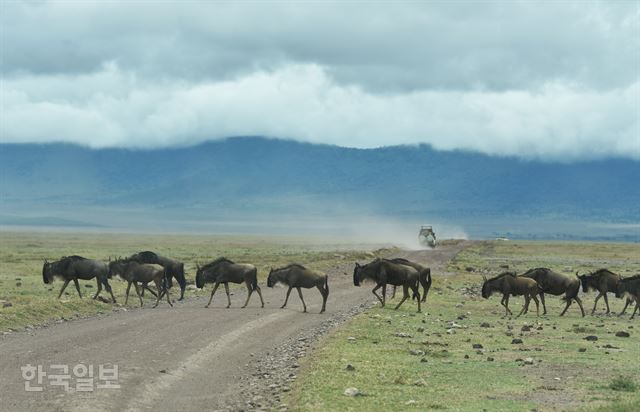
<point x="32" y="302"/>
<point x="401" y="360"/>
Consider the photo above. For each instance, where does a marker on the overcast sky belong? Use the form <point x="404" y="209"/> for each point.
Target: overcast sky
<point x="558" y="80"/>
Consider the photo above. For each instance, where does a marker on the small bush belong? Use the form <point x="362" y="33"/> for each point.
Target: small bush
<point x="624" y="384"/>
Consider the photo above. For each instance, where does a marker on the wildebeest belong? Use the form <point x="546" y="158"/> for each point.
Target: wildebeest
<point x="424" y="278"/>
<point x="602" y="280"/>
<point x="77" y="267"/>
<point x="175" y="269"/>
<point x="630" y="286"/>
<point x="297" y="276"/>
<point x="384" y="272"/>
<point x="509" y="284"/>
<point x="223" y="270"/>
<point x="134" y="272"/>
<point x="556" y="284"/>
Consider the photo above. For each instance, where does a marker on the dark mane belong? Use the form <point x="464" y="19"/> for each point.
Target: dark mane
<point x="65" y="261"/>
<point x="216" y="262"/>
<point x="72" y="258"/>
<point x="145" y="257"/>
<point x="634" y="277"/>
<point x="292" y="265"/>
<point x="601" y="272"/>
<point x="535" y="270"/>
<point x="500" y="276"/>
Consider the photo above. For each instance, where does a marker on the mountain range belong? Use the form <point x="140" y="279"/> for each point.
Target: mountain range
<point x="242" y="183"/>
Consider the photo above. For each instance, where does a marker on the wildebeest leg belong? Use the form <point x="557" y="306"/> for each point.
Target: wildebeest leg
<point x="155" y="295"/>
<point x="159" y="287"/>
<point x="636" y="309"/>
<point x="544" y="306"/>
<point x="128" y="288"/>
<point x="505" y="302"/>
<point x="525" y="307"/>
<point x="303" y="304"/>
<point x="75" y="282"/>
<point x="416" y="293"/>
<point x="215" y="287"/>
<point x="379" y="298"/>
<point x="249" y="292"/>
<point x="606" y="300"/>
<point x="108" y="287"/>
<point x="226" y="289"/>
<point x="393" y="294"/>
<point x="324" y="298"/>
<point x="135" y="285"/>
<point x="286" y="299"/>
<point x="260" y="294"/>
<point x="166" y="293"/>
<point x="405" y="295"/>
<point x="577" y="299"/>
<point x="566" y="307"/>
<point x="596" y="302"/>
<point x="66" y="282"/>
<point x="535" y="299"/>
<point x="625" y="306"/>
<point x="99" y="285"/>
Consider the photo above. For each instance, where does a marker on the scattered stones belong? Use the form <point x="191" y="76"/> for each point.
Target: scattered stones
<point x="420" y="329"/>
<point x="350" y="368"/>
<point x="485" y="325"/>
<point x="582" y="349"/>
<point x="476" y="346"/>
<point x="466" y="356"/>
<point x="490" y="359"/>
<point x="516" y="341"/>
<point x="6" y="304"/>
<point x="352" y="392"/>
<point x="351" y="338"/>
<point x="591" y="338"/>
<point x="410" y="402"/>
<point x="88" y="286"/>
<point x="420" y="382"/>
<point x="526" y="328"/>
<point x="18" y="284"/>
<point x="622" y="334"/>
<point x="163" y="371"/>
<point x="398" y="335"/>
<point x="416" y="352"/>
<point x="528" y="361"/>
<point x="424" y="360"/>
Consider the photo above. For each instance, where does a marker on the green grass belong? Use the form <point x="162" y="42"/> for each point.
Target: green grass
<point x="623" y="383"/>
<point x="33" y="302"/>
<point x="457" y="377"/>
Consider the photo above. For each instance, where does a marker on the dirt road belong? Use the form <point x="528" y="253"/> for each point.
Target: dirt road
<point x="186" y="357"/>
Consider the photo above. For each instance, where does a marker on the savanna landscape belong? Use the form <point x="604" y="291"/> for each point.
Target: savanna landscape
<point x="319" y="206"/>
<point x="460" y="353"/>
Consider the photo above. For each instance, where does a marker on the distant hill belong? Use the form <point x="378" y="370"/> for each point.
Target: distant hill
<point x="255" y="179"/>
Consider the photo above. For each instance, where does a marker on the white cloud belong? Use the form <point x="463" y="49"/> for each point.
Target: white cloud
<point x="116" y="108"/>
<point x="556" y="80"/>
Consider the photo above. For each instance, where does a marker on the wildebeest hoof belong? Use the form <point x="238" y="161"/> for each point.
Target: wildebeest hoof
<point x="206" y="306"/>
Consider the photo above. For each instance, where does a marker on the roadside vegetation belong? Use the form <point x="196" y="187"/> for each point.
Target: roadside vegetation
<point x="25" y="301"/>
<point x="462" y="354"/>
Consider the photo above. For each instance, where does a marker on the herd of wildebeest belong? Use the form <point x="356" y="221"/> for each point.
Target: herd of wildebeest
<point x="145" y="267"/>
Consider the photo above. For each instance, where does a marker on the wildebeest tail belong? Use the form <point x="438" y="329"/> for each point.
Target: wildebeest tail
<point x="166" y="279"/>
<point x="326" y="284"/>
<point x="425" y="278"/>
<point x="254" y="283"/>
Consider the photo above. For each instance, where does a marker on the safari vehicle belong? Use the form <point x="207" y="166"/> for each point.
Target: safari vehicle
<point x="427" y="237"/>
